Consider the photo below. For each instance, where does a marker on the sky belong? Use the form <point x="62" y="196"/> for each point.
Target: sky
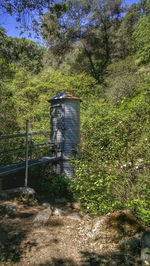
<point x="9" y="23"/>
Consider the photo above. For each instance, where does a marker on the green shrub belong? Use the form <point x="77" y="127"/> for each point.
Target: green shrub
<point x="55" y="186"/>
<point x="114" y="168"/>
<point x="141" y="40"/>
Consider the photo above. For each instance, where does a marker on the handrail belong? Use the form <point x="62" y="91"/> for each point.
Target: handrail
<point x="9" y="169"/>
<point x="28" y="146"/>
<point x="22" y="146"/>
<point x="23" y="149"/>
<point x="23" y="134"/>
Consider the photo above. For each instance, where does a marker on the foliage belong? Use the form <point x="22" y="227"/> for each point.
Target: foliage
<point x="7" y="70"/>
<point x="122" y="41"/>
<point x="19" y="52"/>
<point x="87" y="27"/>
<point x="55" y="187"/>
<point x="141" y="40"/>
<point x="122" y="81"/>
<point x="112" y="172"/>
<point x="7" y="109"/>
<point x="24" y="9"/>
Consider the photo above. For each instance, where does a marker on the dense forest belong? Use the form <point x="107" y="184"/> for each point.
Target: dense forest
<point x="99" y="51"/>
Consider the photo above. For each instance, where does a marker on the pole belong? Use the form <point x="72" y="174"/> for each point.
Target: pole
<point x="30" y="147"/>
<point x="27" y="150"/>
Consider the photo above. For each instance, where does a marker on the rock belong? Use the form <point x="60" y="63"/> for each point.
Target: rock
<point x="58" y="212"/>
<point x="76" y="206"/>
<point x="145" y="248"/>
<point x="75" y="217"/>
<point x="20" y="190"/>
<point x="55" y="211"/>
<point x="42" y="217"/>
<point x="46" y="205"/>
<point x="25" y="194"/>
<point x="114" y="226"/>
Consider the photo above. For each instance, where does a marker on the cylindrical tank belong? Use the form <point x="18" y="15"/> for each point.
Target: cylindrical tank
<point x="65" y="130"/>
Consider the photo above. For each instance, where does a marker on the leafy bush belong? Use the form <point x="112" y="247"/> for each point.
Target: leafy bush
<point x="55" y="187"/>
<point x="122" y="81"/>
<point x="113" y="171"/>
<point x="141" y="40"/>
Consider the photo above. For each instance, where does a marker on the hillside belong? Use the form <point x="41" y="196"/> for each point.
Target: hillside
<point x="105" y="62"/>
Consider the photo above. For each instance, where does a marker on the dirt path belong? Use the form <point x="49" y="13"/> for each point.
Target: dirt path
<point x="64" y="240"/>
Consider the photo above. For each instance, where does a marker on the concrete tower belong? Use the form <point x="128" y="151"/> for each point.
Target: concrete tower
<point x="65" y="130"/>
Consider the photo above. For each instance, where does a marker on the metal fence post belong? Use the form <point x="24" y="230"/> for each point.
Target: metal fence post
<point x="27" y="151"/>
<point x="31" y="144"/>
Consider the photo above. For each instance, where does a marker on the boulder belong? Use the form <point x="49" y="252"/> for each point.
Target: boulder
<point x="111" y="228"/>
<point x="46" y="205"/>
<point x="58" y="212"/>
<point x="42" y="217"/>
<point x="23" y="194"/>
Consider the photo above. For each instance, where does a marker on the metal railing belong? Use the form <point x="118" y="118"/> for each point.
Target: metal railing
<point x="13" y="147"/>
<point x="25" y="148"/>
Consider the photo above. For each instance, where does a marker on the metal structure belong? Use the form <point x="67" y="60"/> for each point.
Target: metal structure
<point x="13" y="168"/>
<point x="65" y="130"/>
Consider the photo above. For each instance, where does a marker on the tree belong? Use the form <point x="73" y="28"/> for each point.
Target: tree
<point x="21" y="52"/>
<point x="141" y="39"/>
<point x="122" y="41"/>
<point x="7" y="68"/>
<point x="24" y="7"/>
<point x="85" y="26"/>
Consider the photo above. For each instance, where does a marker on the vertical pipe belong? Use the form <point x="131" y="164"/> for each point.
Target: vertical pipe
<point x="30" y="146"/>
<point x="27" y="150"/>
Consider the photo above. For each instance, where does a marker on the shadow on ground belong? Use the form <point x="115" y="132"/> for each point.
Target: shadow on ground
<point x="120" y="259"/>
<point x="94" y="259"/>
<point x="12" y="250"/>
<point x="58" y="262"/>
<point x="13" y="230"/>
